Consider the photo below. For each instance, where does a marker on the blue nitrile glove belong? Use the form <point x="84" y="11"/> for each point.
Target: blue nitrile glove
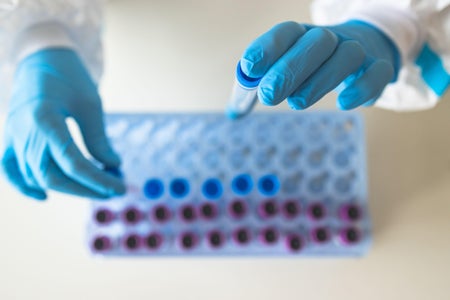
<point x="50" y="86"/>
<point x="303" y="62"/>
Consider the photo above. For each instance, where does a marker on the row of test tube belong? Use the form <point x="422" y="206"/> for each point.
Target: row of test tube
<point x="237" y="209"/>
<point x="217" y="239"/>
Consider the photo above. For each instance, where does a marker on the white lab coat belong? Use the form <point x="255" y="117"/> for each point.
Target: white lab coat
<point x="410" y="24"/>
<point x="29" y="25"/>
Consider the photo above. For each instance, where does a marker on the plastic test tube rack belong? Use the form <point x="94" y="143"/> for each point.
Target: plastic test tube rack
<point x="286" y="184"/>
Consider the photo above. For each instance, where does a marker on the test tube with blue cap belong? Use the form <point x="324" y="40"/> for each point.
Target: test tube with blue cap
<point x="244" y="94"/>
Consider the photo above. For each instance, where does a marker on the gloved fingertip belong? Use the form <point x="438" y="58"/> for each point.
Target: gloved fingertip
<point x="343" y="104"/>
<point x="115" y="171"/>
<point x="100" y="148"/>
<point x="101" y="198"/>
<point x="297" y="103"/>
<point x="36" y="195"/>
<point x="370" y="103"/>
<point x="110" y="159"/>
<point x="247" y="66"/>
<point x="119" y="187"/>
<point x="294" y="106"/>
<point x="266" y="96"/>
<point x="115" y="158"/>
<point x="349" y="99"/>
<point x="117" y="190"/>
<point x="338" y="104"/>
<point x="251" y="61"/>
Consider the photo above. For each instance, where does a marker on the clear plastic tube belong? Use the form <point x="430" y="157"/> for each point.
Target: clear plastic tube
<point x="243" y="96"/>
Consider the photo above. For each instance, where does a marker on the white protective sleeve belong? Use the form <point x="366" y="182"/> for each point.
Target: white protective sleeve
<point x="30" y="25"/>
<point x="411" y="24"/>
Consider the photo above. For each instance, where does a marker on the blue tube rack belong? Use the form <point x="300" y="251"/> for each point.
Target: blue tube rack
<point x="271" y="184"/>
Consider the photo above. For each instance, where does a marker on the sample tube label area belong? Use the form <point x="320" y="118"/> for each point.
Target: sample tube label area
<point x="271" y="184"/>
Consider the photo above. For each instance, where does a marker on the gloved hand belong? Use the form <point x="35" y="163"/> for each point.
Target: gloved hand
<point x="50" y="86"/>
<point x="304" y="62"/>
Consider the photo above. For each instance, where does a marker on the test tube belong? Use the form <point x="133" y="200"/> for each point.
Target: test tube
<point x="179" y="188"/>
<point x="188" y="213"/>
<point x="208" y="211"/>
<point x="242" y="236"/>
<point x="350" y="235"/>
<point x="350" y="212"/>
<point x="316" y="211"/>
<point x="291" y="209"/>
<point x="188" y="240"/>
<point x="101" y="243"/>
<point x="153" y="188"/>
<point x="237" y="209"/>
<point x="268" y="185"/>
<point x="243" y="96"/>
<point x="320" y="235"/>
<point x="131" y="215"/>
<point x="268" y="209"/>
<point x="161" y="213"/>
<point x="103" y="216"/>
<point x="215" y="239"/>
<point x="212" y="188"/>
<point x="242" y="184"/>
<point x="132" y="242"/>
<point x="294" y="242"/>
<point x="269" y="236"/>
<point x="153" y="241"/>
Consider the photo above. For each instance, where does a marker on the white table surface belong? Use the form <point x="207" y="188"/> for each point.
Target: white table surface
<point x="180" y="56"/>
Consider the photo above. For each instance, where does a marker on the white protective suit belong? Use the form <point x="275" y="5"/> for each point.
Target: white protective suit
<point x="29" y="25"/>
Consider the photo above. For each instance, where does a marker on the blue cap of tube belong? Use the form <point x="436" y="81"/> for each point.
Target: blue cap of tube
<point x="212" y="188"/>
<point x="245" y="80"/>
<point x="242" y="184"/>
<point x="179" y="187"/>
<point x="153" y="188"/>
<point x="268" y="185"/>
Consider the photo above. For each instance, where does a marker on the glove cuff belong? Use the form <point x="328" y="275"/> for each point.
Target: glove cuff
<point x="41" y="36"/>
<point x="400" y="25"/>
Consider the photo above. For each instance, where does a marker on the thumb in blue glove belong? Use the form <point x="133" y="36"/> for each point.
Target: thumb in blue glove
<point x="302" y="63"/>
<point x="50" y="86"/>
